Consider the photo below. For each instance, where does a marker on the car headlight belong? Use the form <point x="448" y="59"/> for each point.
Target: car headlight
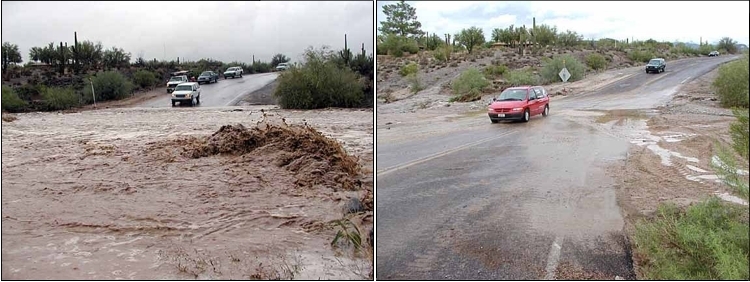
<point x="517" y="109"/>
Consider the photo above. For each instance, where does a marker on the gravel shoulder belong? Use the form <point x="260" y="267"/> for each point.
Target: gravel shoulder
<point x="263" y="96"/>
<point x="672" y="152"/>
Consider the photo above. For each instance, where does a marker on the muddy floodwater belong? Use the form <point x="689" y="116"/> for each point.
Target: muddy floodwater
<point x="185" y="194"/>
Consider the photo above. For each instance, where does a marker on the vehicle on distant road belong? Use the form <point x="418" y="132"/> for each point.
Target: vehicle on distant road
<point x="208" y="77"/>
<point x="656" y="65"/>
<point x="713" y="54"/>
<point x="188" y="92"/>
<point x="519" y="103"/>
<point x="283" y="67"/>
<point x="174" y="81"/>
<point x="233" y="72"/>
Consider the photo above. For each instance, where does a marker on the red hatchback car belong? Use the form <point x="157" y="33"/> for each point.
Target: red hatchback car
<point x="519" y="103"/>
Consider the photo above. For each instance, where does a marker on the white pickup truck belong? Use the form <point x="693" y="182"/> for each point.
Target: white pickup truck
<point x="283" y="67"/>
<point x="174" y="81"/>
<point x="233" y="72"/>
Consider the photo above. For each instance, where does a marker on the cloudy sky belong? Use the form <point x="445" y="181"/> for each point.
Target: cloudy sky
<point x="226" y="31"/>
<point x="686" y="21"/>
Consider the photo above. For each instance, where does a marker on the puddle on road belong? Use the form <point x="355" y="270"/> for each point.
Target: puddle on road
<point x="620" y="115"/>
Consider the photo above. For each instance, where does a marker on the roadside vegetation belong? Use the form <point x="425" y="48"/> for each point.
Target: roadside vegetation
<point x="328" y="78"/>
<point x="55" y="73"/>
<point x="528" y="54"/>
<point x="469" y="86"/>
<point x="708" y="240"/>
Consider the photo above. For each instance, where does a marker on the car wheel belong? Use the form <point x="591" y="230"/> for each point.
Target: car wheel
<point x="546" y="111"/>
<point x="493" y="121"/>
<point x="526" y="115"/>
<point x="198" y="100"/>
<point x="172" y="103"/>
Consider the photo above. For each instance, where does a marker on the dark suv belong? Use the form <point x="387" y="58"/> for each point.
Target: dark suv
<point x="656" y="65"/>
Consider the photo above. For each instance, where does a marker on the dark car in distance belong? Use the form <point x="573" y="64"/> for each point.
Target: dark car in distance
<point x="656" y="65"/>
<point x="208" y="77"/>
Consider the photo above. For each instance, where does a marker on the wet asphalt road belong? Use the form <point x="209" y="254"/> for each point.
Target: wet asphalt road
<point x="225" y="92"/>
<point x="513" y="200"/>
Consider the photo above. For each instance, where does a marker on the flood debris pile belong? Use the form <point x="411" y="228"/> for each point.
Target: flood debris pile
<point x="314" y="158"/>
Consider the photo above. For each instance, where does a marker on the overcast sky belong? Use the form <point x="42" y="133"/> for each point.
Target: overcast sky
<point x="226" y="31"/>
<point x="684" y="21"/>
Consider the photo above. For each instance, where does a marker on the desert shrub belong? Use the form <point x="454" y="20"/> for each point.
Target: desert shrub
<point x="520" y="77"/>
<point x="410" y="68"/>
<point x="410" y="46"/>
<point x="641" y="56"/>
<point x="443" y="53"/>
<point x="468" y="85"/>
<point x="260" y="67"/>
<point x="319" y="83"/>
<point x="28" y="91"/>
<point x="596" y="61"/>
<point x="110" y="85"/>
<point x="495" y="70"/>
<point x="396" y="45"/>
<point x="731" y="84"/>
<point x="681" y="48"/>
<point x="551" y="68"/>
<point x="144" y="79"/>
<point x="708" y="241"/>
<point x="60" y="98"/>
<point x="415" y="83"/>
<point x="10" y="100"/>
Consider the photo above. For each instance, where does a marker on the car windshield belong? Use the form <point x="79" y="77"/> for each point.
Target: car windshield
<point x="654" y="62"/>
<point x="183" y="88"/>
<point x="175" y="78"/>
<point x="283" y="64"/>
<point x="512" y="95"/>
<point x="230" y="69"/>
<point x="205" y="73"/>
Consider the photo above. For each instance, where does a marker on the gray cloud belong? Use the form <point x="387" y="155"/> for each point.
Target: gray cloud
<point x="226" y="31"/>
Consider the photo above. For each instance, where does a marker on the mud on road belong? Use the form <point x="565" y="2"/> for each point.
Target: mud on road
<point x="185" y="193"/>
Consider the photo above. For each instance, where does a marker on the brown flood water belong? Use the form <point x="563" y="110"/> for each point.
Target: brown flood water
<point x="148" y="194"/>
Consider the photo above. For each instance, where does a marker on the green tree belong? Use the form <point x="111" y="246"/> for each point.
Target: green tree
<point x="568" y="39"/>
<point x="471" y="38"/>
<point x="497" y="35"/>
<point x="115" y="58"/>
<point x="728" y="44"/>
<point x="545" y="35"/>
<point x="401" y="19"/>
<point x="278" y="59"/>
<point x="10" y="54"/>
<point x="35" y="54"/>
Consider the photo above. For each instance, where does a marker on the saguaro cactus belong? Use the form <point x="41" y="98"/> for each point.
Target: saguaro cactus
<point x="345" y="54"/>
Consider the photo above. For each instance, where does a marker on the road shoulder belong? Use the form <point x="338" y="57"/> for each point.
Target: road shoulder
<point x="673" y="148"/>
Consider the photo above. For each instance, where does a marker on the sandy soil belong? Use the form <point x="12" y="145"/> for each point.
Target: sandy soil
<point x="155" y="194"/>
<point x="263" y="96"/>
<point x="672" y="153"/>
